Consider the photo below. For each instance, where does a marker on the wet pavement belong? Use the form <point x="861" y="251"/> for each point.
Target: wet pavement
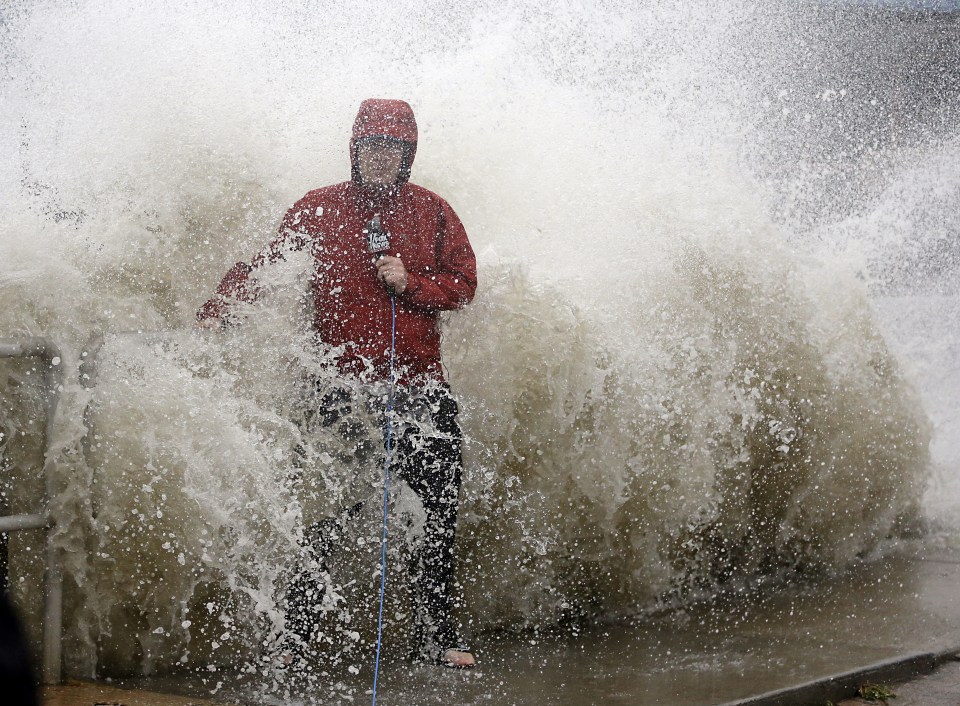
<point x="759" y="648"/>
<point x="942" y="688"/>
<point x="90" y="694"/>
<point x="923" y="678"/>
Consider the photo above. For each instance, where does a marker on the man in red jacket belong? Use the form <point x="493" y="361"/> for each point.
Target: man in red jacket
<point x="379" y="242"/>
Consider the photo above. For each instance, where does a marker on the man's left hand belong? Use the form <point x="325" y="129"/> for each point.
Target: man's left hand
<point x="391" y="272"/>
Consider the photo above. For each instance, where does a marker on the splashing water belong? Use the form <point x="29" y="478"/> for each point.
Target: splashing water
<point x="661" y="393"/>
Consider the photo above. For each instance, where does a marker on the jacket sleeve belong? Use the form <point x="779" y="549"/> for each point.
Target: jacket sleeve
<point x="232" y="286"/>
<point x="454" y="283"/>
<point x="238" y="284"/>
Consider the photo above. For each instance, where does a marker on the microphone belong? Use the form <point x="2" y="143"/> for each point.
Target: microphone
<point x="378" y="242"/>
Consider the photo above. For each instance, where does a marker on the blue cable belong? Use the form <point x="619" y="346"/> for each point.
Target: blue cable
<point x="386" y="487"/>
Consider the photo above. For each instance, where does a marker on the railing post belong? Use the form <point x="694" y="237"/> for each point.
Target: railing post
<point x="53" y="601"/>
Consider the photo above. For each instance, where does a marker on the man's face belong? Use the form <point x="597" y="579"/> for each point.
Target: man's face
<point x="379" y="161"/>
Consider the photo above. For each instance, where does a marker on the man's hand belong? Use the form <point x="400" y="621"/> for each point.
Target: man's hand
<point x="391" y="272"/>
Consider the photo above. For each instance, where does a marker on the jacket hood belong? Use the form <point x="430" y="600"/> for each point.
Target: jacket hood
<point x="383" y="117"/>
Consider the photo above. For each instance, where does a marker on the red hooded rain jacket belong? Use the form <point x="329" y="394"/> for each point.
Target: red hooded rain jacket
<point x="352" y="308"/>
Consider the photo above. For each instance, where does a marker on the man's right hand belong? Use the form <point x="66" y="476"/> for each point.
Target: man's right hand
<point x="392" y="273"/>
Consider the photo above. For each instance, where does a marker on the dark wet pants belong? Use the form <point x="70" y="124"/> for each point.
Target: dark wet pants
<point x="430" y="463"/>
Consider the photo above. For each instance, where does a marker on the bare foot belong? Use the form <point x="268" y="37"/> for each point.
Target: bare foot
<point x="458" y="659"/>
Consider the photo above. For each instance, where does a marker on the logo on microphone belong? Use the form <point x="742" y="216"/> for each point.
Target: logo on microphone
<point x="378" y="240"/>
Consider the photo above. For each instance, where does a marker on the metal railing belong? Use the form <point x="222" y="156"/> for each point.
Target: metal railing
<point x="48" y="353"/>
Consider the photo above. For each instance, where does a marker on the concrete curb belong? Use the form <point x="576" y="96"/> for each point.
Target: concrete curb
<point x="844" y="686"/>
